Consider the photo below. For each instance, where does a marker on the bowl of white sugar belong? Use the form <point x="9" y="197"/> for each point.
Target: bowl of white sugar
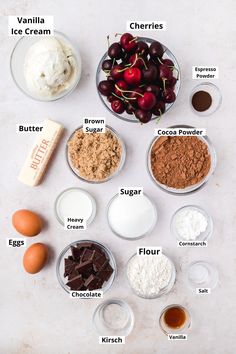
<point x="131" y="217"/>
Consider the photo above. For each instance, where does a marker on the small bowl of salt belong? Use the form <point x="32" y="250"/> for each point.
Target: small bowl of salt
<point x="191" y="223"/>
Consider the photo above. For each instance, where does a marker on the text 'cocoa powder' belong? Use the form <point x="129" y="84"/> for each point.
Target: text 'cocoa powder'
<point x="180" y="162"/>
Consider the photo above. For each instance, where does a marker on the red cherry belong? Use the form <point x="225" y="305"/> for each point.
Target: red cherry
<point x="118" y="106"/>
<point x="120" y="86"/>
<point x="159" y="108"/>
<point x="171" y="83"/>
<point x="168" y="95"/>
<point x="165" y="72"/>
<point x="111" y="98"/>
<point x="132" y="76"/>
<point x="147" y="102"/>
<point x="143" y="116"/>
<point x="134" y="95"/>
<point x="116" y="72"/>
<point x="168" y="62"/>
<point x="128" y="42"/>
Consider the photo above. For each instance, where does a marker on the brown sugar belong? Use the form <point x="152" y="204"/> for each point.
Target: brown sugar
<point x="95" y="156"/>
<point x="180" y="162"/>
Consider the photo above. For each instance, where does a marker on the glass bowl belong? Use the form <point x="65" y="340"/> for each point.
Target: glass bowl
<point x="17" y="66"/>
<point x="194" y="187"/>
<point x="204" y="236"/>
<point x="201" y="274"/>
<point x="100" y="75"/>
<point x="168" y="330"/>
<point x="102" y="324"/>
<point x="59" y="197"/>
<point x="66" y="252"/>
<point x="215" y="94"/>
<point x="115" y="173"/>
<point x="162" y="291"/>
<point x="138" y="237"/>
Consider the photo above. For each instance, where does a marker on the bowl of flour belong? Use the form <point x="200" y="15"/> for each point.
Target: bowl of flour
<point x="151" y="276"/>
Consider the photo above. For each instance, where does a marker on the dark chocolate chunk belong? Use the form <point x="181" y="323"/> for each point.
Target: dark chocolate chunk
<point x="98" y="249"/>
<point x="84" y="245"/>
<point x="105" y="273"/>
<point x="92" y="282"/>
<point x="73" y="275"/>
<point x="76" y="283"/>
<point x="76" y="253"/>
<point x="87" y="255"/>
<point x="85" y="268"/>
<point x="88" y="267"/>
<point x="100" y="263"/>
<point x="69" y="266"/>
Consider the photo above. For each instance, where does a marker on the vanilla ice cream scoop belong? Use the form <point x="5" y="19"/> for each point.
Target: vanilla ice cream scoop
<point x="50" y="67"/>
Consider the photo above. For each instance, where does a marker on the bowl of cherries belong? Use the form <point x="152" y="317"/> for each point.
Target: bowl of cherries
<point x="138" y="79"/>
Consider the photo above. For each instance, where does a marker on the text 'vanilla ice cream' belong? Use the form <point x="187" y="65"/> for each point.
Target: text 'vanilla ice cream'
<point x="50" y="68"/>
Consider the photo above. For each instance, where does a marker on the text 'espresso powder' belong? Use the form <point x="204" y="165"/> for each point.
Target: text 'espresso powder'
<point x="180" y="162"/>
<point x="201" y="101"/>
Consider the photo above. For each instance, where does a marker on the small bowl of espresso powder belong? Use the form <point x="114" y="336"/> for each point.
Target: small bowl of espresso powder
<point x="205" y="99"/>
<point x="181" y="164"/>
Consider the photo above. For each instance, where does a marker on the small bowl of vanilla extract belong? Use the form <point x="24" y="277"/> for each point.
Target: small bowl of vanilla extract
<point x="175" y="319"/>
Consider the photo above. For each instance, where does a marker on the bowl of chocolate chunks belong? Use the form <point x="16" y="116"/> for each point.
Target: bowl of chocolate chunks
<point x="86" y="265"/>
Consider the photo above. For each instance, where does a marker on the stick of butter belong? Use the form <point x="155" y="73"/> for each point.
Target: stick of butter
<point x="40" y="154"/>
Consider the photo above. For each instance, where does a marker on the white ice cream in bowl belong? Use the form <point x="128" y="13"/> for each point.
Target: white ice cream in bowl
<point x="46" y="68"/>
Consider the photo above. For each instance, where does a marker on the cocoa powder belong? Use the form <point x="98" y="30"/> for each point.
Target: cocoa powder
<point x="180" y="162"/>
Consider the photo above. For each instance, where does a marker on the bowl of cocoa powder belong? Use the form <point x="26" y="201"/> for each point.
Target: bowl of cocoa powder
<point x="95" y="157"/>
<point x="181" y="164"/>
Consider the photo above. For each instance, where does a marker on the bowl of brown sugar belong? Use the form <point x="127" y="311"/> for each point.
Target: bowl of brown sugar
<point x="95" y="157"/>
<point x="181" y="164"/>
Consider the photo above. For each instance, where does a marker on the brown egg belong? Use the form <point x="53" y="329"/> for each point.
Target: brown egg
<point x="27" y="223"/>
<point x="35" y="258"/>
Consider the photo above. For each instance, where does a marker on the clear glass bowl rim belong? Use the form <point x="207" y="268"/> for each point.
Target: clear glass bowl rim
<point x="148" y="40"/>
<point x="194" y="187"/>
<point x="66" y="92"/>
<point x="109" y="253"/>
<point x="131" y="238"/>
<point x="119" y="168"/>
<point x="163" y="291"/>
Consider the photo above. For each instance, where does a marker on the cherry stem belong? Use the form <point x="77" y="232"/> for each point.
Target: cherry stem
<point x="134" y="39"/>
<point x="164" y="84"/>
<point x="117" y="96"/>
<point x="160" y="60"/>
<point x="128" y="91"/>
<point x="139" y="57"/>
<point x="108" y="41"/>
<point x="118" y="34"/>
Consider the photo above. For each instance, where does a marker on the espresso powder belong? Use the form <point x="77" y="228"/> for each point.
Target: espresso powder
<point x="201" y="101"/>
<point x="180" y="162"/>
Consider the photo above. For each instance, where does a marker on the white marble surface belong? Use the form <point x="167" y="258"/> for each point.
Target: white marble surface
<point x="36" y="314"/>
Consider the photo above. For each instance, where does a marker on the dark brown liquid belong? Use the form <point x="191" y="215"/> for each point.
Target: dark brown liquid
<point x="175" y="317"/>
<point x="201" y="101"/>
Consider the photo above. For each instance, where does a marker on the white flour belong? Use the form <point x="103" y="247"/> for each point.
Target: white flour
<point x="149" y="274"/>
<point x="190" y="223"/>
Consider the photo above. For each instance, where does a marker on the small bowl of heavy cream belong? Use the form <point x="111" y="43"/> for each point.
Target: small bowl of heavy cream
<point x="46" y="68"/>
<point x="191" y="223"/>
